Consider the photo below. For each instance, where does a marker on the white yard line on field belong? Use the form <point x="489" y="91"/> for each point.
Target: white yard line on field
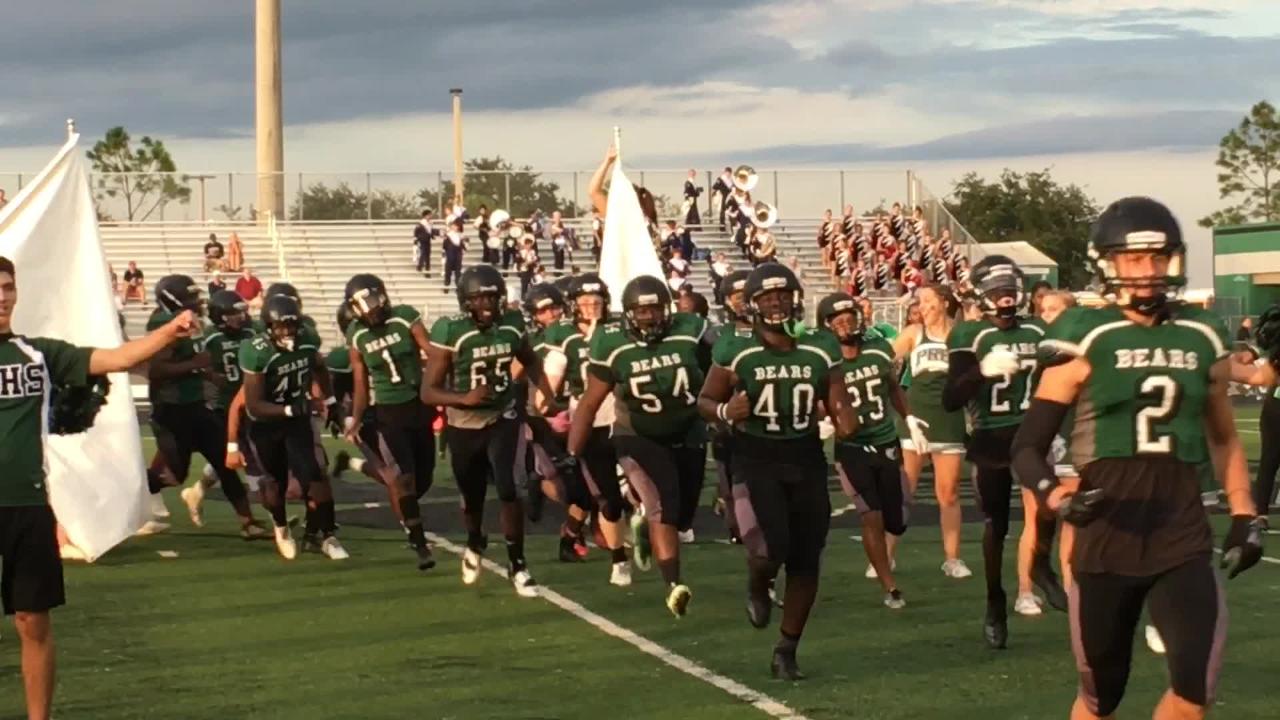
<point x="765" y="704"/>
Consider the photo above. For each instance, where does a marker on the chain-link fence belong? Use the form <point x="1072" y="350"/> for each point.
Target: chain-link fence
<point x="315" y="196"/>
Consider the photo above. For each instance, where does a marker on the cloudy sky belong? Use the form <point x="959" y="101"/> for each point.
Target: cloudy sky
<point x="1121" y="96"/>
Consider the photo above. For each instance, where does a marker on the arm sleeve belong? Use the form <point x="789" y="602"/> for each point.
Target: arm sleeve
<point x="964" y="379"/>
<point x="439" y="335"/>
<point x="67" y="363"/>
<point x="1030" y="450"/>
<point x="252" y="359"/>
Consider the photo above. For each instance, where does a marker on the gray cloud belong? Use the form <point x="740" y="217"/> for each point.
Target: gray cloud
<point x="1179" y="131"/>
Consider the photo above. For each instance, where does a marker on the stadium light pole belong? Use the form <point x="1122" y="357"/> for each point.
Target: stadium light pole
<point x="267" y="115"/>
<point x="457" y="143"/>
<point x="201" y="179"/>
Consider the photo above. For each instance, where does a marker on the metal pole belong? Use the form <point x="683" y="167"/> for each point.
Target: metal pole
<point x="575" y="194"/>
<point x="711" y="210"/>
<point x="301" y="202"/>
<point x="506" y="193"/>
<point x="458" y="184"/>
<point x="440" y="193"/>
<point x="842" y="201"/>
<point x="231" y="191"/>
<point x="368" y="196"/>
<point x="775" y="188"/>
<point x="268" y="120"/>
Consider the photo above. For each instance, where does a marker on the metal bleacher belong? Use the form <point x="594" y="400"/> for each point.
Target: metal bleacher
<point x="319" y="257"/>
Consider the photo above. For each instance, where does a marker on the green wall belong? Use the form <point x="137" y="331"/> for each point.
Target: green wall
<point x="1236" y="293"/>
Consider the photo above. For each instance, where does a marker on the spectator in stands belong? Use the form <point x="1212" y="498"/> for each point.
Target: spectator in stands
<point x="213" y="253"/>
<point x="691" y="194"/>
<point x="559" y="245"/>
<point x="133" y="289"/>
<point x="597" y="234"/>
<point x="235" y="254"/>
<point x="720" y="190"/>
<point x="511" y="244"/>
<point x="422" y="233"/>
<point x="4" y="200"/>
<point x="527" y="262"/>
<point x="537" y="227"/>
<point x="249" y="288"/>
<point x="1244" y="333"/>
<point x="216" y="283"/>
<point x="483" y="233"/>
<point x="454" y="245"/>
<point x="720" y="268"/>
<point x="677" y="268"/>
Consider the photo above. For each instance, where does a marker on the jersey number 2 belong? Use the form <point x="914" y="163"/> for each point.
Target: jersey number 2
<point x="1163" y="390"/>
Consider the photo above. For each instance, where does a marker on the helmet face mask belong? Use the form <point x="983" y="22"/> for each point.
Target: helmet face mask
<point x="998" y="287"/>
<point x="282" y="317"/>
<point x="228" y="311"/>
<point x="284" y="334"/>
<point x="589" y="299"/>
<point x="482" y="293"/>
<point x="483" y="307"/>
<point x="646" y="309"/>
<point x="776" y="299"/>
<point x="774" y="308"/>
<point x="843" y="316"/>
<point x="1142" y="280"/>
<point x="370" y="305"/>
<point x="175" y="293"/>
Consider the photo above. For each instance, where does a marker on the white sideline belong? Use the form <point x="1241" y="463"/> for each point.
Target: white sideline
<point x="760" y="701"/>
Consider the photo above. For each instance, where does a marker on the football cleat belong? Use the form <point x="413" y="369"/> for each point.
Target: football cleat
<point x="759" y="608"/>
<point x="470" y="567"/>
<point x="621" y="574"/>
<point x="152" y="527"/>
<point x="1047" y="582"/>
<point x="678" y="600"/>
<point x="686" y="537"/>
<point x="285" y="544"/>
<point x="333" y="549"/>
<point x="784" y="667"/>
<point x="1027" y="604"/>
<point x="569" y="549"/>
<point x="1154" y="641"/>
<point x="995" y="626"/>
<point x="254" y="530"/>
<point x="955" y="568"/>
<point x="893" y="600"/>
<point x="193" y="498"/>
<point x="871" y="573"/>
<point x="426" y="560"/>
<point x="341" y="463"/>
<point x="523" y="581"/>
<point x="640" y="548"/>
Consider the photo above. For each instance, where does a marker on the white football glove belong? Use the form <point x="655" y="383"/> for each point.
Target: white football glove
<point x="916" y="427"/>
<point x="999" y="363"/>
<point x="826" y="428"/>
<point x="1058" y="450"/>
<point x="555" y="363"/>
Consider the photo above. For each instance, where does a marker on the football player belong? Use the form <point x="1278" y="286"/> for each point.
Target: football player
<point x="386" y="345"/>
<point x="567" y="363"/>
<point x="278" y="367"/>
<point x="767" y="383"/>
<point x="654" y="367"/>
<point x="992" y="366"/>
<point x="1264" y="375"/>
<point x="179" y="419"/>
<point x="1149" y="378"/>
<point x="870" y="462"/>
<point x="737" y="317"/>
<point x="469" y="373"/>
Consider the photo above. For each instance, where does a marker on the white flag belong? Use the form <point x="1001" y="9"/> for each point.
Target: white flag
<point x="628" y="251"/>
<point x="97" y="483"/>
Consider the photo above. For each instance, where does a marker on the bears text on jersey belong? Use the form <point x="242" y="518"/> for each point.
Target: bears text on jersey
<point x="1156" y="358"/>
<point x="783" y="372"/>
<point x="382" y="343"/>
<point x="488" y="351"/>
<point x="644" y="365"/>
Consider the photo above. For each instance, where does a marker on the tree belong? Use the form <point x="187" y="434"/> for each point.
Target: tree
<point x="321" y="202"/>
<point x="496" y="183"/>
<point x="145" y="178"/>
<point x="1249" y="159"/>
<point x="1034" y="208"/>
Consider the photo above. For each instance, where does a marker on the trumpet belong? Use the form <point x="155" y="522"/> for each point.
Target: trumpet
<point x="764" y="215"/>
<point x="745" y="178"/>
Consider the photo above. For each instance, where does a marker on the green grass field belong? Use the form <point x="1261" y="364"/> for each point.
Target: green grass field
<point x="228" y="630"/>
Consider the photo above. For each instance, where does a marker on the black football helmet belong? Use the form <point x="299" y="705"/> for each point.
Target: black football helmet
<point x="542" y="296"/>
<point x="998" y="286"/>
<point x="839" y="303"/>
<point x="175" y="293"/>
<point x="646" y="291"/>
<point x="367" y="296"/>
<point x="1138" y="225"/>
<point x="482" y="294"/>
<point x="282" y="318"/>
<point x="786" y="312"/>
<point x="346" y="316"/>
<point x="563" y="284"/>
<point x="589" y="284"/>
<point x="735" y="301"/>
<point x="1266" y="332"/>
<point x="228" y="311"/>
<point x="283" y="288"/>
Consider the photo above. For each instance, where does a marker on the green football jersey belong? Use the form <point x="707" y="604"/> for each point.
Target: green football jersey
<point x="869" y="379"/>
<point x="480" y="357"/>
<point x="1000" y="402"/>
<point x="576" y="347"/>
<point x="287" y="375"/>
<point x="338" y="360"/>
<point x="1148" y="386"/>
<point x="391" y="356"/>
<point x="181" y="390"/>
<point x="28" y="368"/>
<point x="224" y="361"/>
<point x="656" y="386"/>
<point x="783" y="386"/>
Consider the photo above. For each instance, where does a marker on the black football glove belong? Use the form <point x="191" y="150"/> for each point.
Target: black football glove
<point x="336" y="421"/>
<point x="1082" y="508"/>
<point x="300" y="407"/>
<point x="1242" y="549"/>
